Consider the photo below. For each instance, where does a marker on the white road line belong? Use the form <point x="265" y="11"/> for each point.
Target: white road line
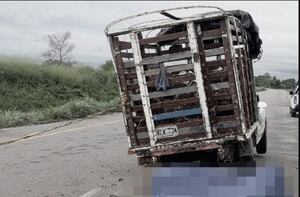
<point x="91" y="192"/>
<point x="74" y="129"/>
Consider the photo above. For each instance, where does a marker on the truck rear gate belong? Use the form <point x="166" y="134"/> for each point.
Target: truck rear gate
<point x="212" y="91"/>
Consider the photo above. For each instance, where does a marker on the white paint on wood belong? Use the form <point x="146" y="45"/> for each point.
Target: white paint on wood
<point x="199" y="77"/>
<point x="143" y="85"/>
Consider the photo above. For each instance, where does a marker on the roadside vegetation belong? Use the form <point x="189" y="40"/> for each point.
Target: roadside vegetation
<point x="34" y="93"/>
<point x="268" y="81"/>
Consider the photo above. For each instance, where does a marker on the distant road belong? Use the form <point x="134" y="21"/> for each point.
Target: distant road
<point x="89" y="158"/>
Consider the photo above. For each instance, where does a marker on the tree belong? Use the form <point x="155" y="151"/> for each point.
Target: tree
<point x="59" y="49"/>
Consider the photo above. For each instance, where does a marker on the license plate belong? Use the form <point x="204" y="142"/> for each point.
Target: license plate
<point x="165" y="132"/>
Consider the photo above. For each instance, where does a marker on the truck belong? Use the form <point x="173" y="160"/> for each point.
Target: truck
<point x="187" y="85"/>
<point x="294" y="101"/>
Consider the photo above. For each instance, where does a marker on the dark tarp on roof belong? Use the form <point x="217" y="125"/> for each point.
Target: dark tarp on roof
<point x="254" y="41"/>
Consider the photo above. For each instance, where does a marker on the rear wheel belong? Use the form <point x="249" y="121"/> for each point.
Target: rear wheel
<point x="293" y="112"/>
<point x="261" y="147"/>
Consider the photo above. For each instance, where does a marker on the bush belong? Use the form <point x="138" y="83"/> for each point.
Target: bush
<point x="30" y="92"/>
<point x="268" y="81"/>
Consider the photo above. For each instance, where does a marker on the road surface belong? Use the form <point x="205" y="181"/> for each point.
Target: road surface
<point x="89" y="157"/>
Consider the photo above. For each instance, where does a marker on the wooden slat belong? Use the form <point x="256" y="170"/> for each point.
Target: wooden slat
<point x="189" y="123"/>
<point x="229" y="64"/>
<point x="175" y="91"/>
<point x="218" y="74"/>
<point x="220" y="108"/>
<point x="163" y="38"/>
<point x="214" y="52"/>
<point x="185" y="136"/>
<point x="176" y="114"/>
<point x="226" y="131"/>
<point x="212" y="46"/>
<point x="125" y="45"/>
<point x="222" y="96"/>
<point x="173" y="81"/>
<point x="167" y="58"/>
<point x="215" y="33"/>
<point x="123" y="88"/>
<point x="225" y="118"/>
<point x="218" y="86"/>
<point x="170" y="69"/>
<point x="175" y="51"/>
<point x="215" y="63"/>
<point x="170" y="103"/>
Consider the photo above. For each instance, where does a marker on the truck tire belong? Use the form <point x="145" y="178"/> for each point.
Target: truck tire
<point x="293" y="113"/>
<point x="261" y="147"/>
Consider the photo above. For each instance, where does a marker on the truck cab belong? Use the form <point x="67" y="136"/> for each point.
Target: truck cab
<point x="294" y="101"/>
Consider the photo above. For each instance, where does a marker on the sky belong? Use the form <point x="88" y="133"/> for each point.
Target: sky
<point x="24" y="27"/>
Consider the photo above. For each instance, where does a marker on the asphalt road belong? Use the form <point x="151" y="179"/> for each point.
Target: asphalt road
<point x="89" y="158"/>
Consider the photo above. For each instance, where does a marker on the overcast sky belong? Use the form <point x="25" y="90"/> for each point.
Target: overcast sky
<point x="24" y="26"/>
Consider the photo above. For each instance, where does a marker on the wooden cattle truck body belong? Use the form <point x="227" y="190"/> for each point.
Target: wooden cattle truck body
<point x="211" y="99"/>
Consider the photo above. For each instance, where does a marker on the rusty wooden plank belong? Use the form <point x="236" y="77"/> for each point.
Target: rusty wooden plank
<point x="244" y="83"/>
<point x="187" y="148"/>
<point x="248" y="90"/>
<point x="188" y="123"/>
<point x="248" y="66"/>
<point x="169" y="103"/>
<point x="177" y="114"/>
<point x="224" y="96"/>
<point x="214" y="52"/>
<point x="222" y="132"/>
<point x="221" y="108"/>
<point x="144" y="95"/>
<point x="236" y="75"/>
<point x="175" y="91"/>
<point x="167" y="58"/>
<point x="229" y="64"/>
<point x="165" y="37"/>
<point x="218" y="74"/>
<point x="200" y="72"/>
<point x="124" y="92"/>
<point x="212" y="46"/>
<point x="211" y="34"/>
<point x="171" y="69"/>
<point x="124" y="45"/>
<point x="175" y="51"/>
<point x="215" y="63"/>
<point x="181" y="137"/>
<point x="226" y="118"/>
<point x="173" y="81"/>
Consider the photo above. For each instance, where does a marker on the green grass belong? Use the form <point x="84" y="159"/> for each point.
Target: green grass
<point x="31" y="93"/>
